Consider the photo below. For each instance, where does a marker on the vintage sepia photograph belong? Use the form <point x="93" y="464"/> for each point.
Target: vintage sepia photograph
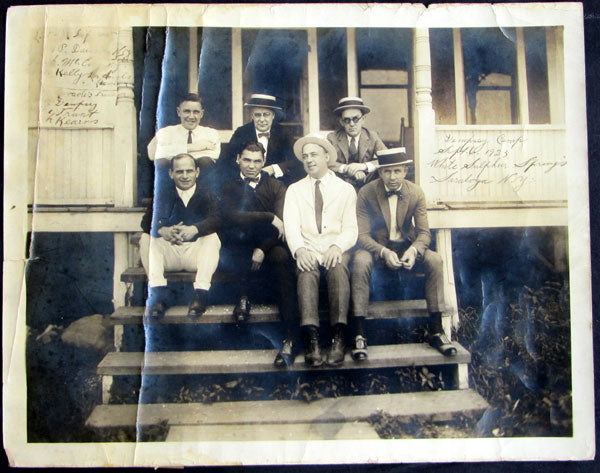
<point x="296" y="234"/>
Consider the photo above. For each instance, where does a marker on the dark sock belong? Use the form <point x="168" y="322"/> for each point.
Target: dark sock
<point x="435" y="323"/>
<point x="338" y="330"/>
<point x="311" y="331"/>
<point x="359" y="325"/>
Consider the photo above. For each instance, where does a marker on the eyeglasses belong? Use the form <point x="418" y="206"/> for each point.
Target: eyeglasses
<point x="261" y="115"/>
<point x="355" y="120"/>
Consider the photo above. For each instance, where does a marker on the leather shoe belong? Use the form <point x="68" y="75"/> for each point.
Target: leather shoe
<point x="313" y="357"/>
<point x="359" y="352"/>
<point x="241" y="312"/>
<point x="442" y="344"/>
<point x="198" y="304"/>
<point x="154" y="312"/>
<point x="335" y="357"/>
<point x="286" y="355"/>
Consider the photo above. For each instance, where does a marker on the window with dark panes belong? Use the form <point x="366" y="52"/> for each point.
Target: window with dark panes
<point x="537" y="74"/>
<point x="490" y="69"/>
<point x="214" y="76"/>
<point x="442" y="75"/>
<point x="384" y="57"/>
<point x="333" y="75"/>
<point x="274" y="61"/>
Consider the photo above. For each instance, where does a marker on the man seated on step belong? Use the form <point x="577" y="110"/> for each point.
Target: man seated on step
<point x="391" y="244"/>
<point x="252" y="209"/>
<point x="277" y="142"/>
<point x="203" y="143"/>
<point x="319" y="218"/>
<point x="180" y="235"/>
<point x="355" y="144"/>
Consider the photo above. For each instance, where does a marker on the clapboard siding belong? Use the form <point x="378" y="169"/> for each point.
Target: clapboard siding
<point x="71" y="166"/>
<point x="546" y="143"/>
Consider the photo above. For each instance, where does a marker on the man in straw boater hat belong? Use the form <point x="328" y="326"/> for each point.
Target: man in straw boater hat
<point x="356" y="145"/>
<point x="279" y="158"/>
<point x="319" y="218"/>
<point x="386" y="209"/>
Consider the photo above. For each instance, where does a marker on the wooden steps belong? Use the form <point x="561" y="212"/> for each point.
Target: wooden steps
<point x="261" y="361"/>
<point x="437" y="406"/>
<point x="132" y="315"/>
<point x="270" y="432"/>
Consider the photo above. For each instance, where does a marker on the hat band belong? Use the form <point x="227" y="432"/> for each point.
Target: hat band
<point x="264" y="102"/>
<point x="348" y="103"/>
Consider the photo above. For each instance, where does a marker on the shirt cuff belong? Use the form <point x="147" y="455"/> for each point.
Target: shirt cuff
<point x="277" y="172"/>
<point x="342" y="169"/>
<point x="371" y="166"/>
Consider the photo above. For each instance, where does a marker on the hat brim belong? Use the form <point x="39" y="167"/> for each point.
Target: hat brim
<point x="255" y="105"/>
<point x="323" y="143"/>
<point x="363" y="108"/>
<point x="401" y="163"/>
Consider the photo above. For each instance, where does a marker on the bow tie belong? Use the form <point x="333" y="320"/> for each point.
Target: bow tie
<point x="388" y="194"/>
<point x="248" y="180"/>
<point x="265" y="135"/>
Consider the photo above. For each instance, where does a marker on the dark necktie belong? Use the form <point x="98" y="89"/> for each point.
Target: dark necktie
<point x="388" y="194"/>
<point x="189" y="136"/>
<point x="318" y="205"/>
<point x="264" y="135"/>
<point x="353" y="150"/>
<point x="248" y="180"/>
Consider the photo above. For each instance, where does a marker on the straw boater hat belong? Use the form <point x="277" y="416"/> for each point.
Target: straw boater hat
<point x="263" y="101"/>
<point x="392" y="157"/>
<point x="351" y="102"/>
<point x="317" y="139"/>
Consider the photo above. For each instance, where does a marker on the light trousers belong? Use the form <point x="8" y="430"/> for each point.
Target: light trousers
<point x="200" y="256"/>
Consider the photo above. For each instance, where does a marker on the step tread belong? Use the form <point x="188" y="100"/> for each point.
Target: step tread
<point x="137" y="274"/>
<point x="437" y="406"/>
<point x="261" y="361"/>
<point x="261" y="313"/>
<point x="264" y="432"/>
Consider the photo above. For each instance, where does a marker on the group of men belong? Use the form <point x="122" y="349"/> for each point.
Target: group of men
<point x="290" y="210"/>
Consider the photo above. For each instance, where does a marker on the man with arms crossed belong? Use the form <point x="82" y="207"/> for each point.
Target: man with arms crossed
<point x="319" y="218"/>
<point x="252" y="205"/>
<point x="279" y="159"/>
<point x="386" y="209"/>
<point x="203" y="143"/>
<point x="355" y="145"/>
<point x="180" y="235"/>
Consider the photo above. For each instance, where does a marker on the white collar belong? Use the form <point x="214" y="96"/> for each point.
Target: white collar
<point x="187" y="192"/>
<point x="387" y="189"/>
<point x="324" y="180"/>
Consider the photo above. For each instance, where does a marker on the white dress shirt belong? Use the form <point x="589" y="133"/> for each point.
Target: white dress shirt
<point x="251" y="184"/>
<point x="395" y="234"/>
<point x="338" y="227"/>
<point x="265" y="142"/>
<point x="173" y="140"/>
<point x="186" y="195"/>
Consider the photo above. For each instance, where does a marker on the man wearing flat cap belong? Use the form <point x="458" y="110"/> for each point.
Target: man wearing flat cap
<point x="391" y="244"/>
<point x="279" y="158"/>
<point x="319" y="219"/>
<point x="356" y="145"/>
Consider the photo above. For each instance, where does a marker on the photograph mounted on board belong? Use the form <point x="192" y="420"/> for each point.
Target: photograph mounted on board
<point x="302" y="232"/>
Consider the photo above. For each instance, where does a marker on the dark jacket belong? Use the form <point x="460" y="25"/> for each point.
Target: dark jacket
<point x="248" y="213"/>
<point x="202" y="211"/>
<point x="373" y="215"/>
<point x="279" y="150"/>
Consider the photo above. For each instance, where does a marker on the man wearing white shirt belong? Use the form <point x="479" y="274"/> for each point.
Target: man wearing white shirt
<point x="355" y="144"/>
<point x="203" y="143"/>
<point x="180" y="235"/>
<point x="394" y="231"/>
<point x="319" y="218"/>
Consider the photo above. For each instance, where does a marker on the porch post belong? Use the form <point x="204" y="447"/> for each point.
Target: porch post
<point x="522" y="79"/>
<point x="313" y="82"/>
<point x="125" y="132"/>
<point x="424" y="122"/>
<point x="193" y="61"/>
<point x="351" y="62"/>
<point x="237" y="68"/>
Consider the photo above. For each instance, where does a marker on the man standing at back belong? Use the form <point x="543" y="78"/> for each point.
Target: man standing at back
<point x="319" y="218"/>
<point x="279" y="159"/>
<point x="355" y="145"/>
